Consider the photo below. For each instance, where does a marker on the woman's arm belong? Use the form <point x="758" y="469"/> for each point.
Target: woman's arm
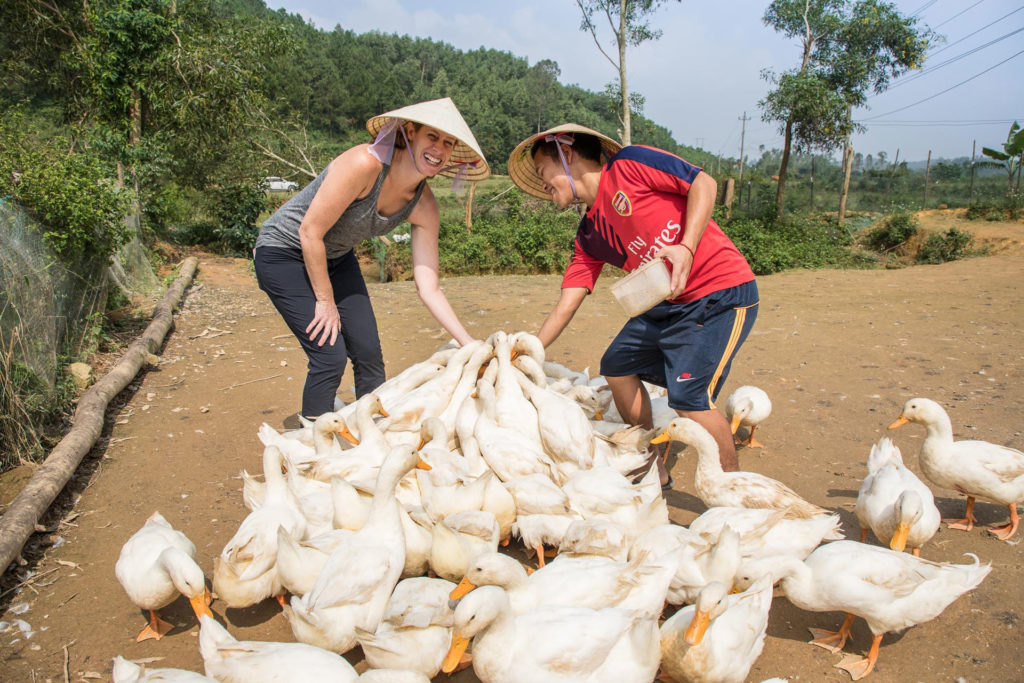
<point x="562" y="313"/>
<point x="426" y="223"/>
<point x="346" y="180"/>
<point x="700" y="201"/>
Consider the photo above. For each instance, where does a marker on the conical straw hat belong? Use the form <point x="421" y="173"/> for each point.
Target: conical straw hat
<point x="443" y="115"/>
<point x="520" y="163"/>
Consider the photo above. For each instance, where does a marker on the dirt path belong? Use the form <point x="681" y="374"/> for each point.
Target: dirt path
<point x="838" y="351"/>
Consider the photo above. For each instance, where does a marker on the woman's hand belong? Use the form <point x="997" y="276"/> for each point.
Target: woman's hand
<point x="326" y="323"/>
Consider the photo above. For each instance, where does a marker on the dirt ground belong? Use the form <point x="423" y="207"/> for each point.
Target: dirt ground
<point x="838" y="352"/>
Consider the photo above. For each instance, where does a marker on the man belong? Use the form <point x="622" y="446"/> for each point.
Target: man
<point x="644" y="203"/>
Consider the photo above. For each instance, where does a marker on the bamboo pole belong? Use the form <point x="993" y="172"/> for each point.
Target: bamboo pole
<point x="50" y="478"/>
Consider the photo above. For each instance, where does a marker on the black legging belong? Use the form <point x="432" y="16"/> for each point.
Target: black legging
<point x="281" y="273"/>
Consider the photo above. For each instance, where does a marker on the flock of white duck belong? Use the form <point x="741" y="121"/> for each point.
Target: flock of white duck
<point x="393" y="544"/>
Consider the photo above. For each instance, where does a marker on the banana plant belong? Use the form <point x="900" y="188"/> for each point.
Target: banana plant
<point x="1011" y="156"/>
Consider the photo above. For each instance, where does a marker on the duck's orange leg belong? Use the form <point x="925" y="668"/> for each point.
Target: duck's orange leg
<point x="858" y="668"/>
<point x="1005" y="532"/>
<point x="832" y="641"/>
<point x="967" y="523"/>
<point x="750" y="441"/>
<point x="156" y="629"/>
<point x="863" y="535"/>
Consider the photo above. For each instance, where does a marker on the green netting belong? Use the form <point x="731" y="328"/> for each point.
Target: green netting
<point x="48" y="306"/>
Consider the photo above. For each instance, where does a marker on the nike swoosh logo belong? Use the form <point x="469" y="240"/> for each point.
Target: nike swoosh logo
<point x="683" y="379"/>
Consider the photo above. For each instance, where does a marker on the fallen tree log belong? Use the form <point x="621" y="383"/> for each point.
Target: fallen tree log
<point x="19" y="522"/>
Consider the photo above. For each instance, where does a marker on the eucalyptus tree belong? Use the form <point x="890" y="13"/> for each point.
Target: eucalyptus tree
<point x="848" y="49"/>
<point x="629" y="22"/>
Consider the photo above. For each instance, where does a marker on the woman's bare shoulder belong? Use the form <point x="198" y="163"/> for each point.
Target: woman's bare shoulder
<point x="357" y="165"/>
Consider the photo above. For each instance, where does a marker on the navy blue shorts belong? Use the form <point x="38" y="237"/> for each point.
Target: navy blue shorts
<point x="686" y="348"/>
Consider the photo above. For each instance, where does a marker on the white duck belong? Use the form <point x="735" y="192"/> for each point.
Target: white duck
<point x="718" y="639"/>
<point x="603" y="490"/>
<point x="513" y="410"/>
<point x="565" y="431"/>
<point x="716" y="487"/>
<point x="767" y="536"/>
<point x="362" y="461"/>
<point x="748" y="407"/>
<point x="232" y="661"/>
<point x="299" y="563"/>
<point x="300" y="454"/>
<point x="460" y="537"/>
<point x="556" y="644"/>
<point x="894" y="503"/>
<point x="593" y="582"/>
<point x="890" y="590"/>
<point x="543" y="513"/>
<point x="977" y="469"/>
<point x="155" y="565"/>
<point x="353" y="588"/>
<point x="392" y="676"/>
<point x="696" y="562"/>
<point x="594" y="537"/>
<point x="430" y="398"/>
<point x="400" y="385"/>
<point x="245" y="572"/>
<point x="130" y="672"/>
<point x="415" y="632"/>
<point x="507" y="450"/>
<point x="466" y="386"/>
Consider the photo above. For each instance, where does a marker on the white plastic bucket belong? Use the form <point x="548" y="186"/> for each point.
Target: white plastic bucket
<point x="644" y="288"/>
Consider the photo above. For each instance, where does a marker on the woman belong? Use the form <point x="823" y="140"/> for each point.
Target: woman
<point x="304" y="258"/>
<point x="644" y="203"/>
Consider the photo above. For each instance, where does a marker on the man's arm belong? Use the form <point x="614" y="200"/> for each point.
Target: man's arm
<point x="700" y="201"/>
<point x="562" y="313"/>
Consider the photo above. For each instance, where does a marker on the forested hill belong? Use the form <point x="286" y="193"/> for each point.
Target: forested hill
<point x="333" y="81"/>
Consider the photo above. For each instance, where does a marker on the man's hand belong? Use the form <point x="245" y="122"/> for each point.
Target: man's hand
<point x="681" y="261"/>
<point x="326" y="322"/>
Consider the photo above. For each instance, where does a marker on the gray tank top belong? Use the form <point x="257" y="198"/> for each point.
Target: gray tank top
<point x="359" y="221"/>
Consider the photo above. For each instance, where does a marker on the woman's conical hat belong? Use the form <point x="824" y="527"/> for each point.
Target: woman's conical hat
<point x="443" y="115"/>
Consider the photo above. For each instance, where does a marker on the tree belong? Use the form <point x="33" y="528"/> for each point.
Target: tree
<point x="542" y="84"/>
<point x="1012" y="156"/>
<point x="628" y="21"/>
<point x="848" y="49"/>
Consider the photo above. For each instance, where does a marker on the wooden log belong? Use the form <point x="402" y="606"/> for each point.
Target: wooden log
<point x="18" y="523"/>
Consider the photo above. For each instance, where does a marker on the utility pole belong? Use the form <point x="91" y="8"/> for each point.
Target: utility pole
<point x="743" y="134"/>
<point x="892" y="176"/>
<point x="847" y="167"/>
<point x="812" y="183"/>
<point x="927" y="172"/>
<point x="700" y="143"/>
<point x="970" y="198"/>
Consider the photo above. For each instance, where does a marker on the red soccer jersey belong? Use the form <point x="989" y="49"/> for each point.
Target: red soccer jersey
<point x="640" y="208"/>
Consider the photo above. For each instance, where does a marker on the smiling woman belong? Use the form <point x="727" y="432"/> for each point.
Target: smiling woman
<point x="304" y="259"/>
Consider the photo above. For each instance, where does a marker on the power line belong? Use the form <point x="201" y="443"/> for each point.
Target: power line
<point x="957" y="15"/>
<point x="960" y="40"/>
<point x="971" y="124"/>
<point x="932" y="97"/>
<point x="924" y="72"/>
<point x="923" y="7"/>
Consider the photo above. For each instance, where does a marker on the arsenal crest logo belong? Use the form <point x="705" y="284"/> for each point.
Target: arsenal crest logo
<point x="621" y="204"/>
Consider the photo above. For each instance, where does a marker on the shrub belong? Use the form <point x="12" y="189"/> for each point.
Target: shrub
<point x="236" y="208"/>
<point x="71" y="194"/>
<point x="794" y="242"/>
<point x="892" y="232"/>
<point x="948" y="246"/>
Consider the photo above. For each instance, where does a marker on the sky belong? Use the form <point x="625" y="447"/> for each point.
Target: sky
<point x="704" y="72"/>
